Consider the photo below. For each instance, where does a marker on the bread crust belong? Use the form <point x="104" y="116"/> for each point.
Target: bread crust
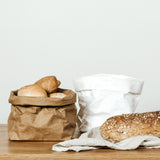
<point x="57" y="95"/>
<point x="49" y="83"/>
<point x="118" y="128"/>
<point x="32" y="91"/>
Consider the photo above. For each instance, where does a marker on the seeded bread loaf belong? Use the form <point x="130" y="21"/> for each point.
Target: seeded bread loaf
<point x="124" y="126"/>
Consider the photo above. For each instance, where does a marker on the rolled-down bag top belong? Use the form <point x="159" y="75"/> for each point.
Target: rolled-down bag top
<point x="42" y="118"/>
<point x="104" y="95"/>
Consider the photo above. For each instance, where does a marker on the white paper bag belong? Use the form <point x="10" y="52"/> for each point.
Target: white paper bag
<point x="104" y="95"/>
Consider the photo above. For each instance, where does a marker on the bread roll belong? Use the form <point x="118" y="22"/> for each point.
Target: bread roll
<point x="32" y="91"/>
<point x="57" y="95"/>
<point x="124" y="126"/>
<point x="49" y="83"/>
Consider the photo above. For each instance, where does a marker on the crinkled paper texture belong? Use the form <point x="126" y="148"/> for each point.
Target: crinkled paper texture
<point x="102" y="96"/>
<point x="42" y="119"/>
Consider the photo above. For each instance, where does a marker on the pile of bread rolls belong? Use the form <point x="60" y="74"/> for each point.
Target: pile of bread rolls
<point x="45" y="87"/>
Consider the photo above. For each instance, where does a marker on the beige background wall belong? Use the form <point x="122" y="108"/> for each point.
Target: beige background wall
<point x="72" y="38"/>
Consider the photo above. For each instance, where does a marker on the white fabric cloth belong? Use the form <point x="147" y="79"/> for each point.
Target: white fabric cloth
<point x="93" y="140"/>
<point x="102" y="96"/>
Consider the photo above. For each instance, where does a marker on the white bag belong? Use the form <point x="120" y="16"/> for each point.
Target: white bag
<point x="102" y="96"/>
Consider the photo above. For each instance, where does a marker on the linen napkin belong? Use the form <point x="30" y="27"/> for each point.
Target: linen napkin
<point x="93" y="140"/>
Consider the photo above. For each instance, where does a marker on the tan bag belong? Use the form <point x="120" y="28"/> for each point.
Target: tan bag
<point x="42" y="118"/>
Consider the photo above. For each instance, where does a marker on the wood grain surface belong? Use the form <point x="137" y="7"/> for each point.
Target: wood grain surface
<point x="10" y="150"/>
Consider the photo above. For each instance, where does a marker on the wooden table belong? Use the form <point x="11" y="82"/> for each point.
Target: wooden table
<point x="42" y="150"/>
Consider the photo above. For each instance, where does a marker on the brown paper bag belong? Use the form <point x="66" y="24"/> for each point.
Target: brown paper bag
<point x="42" y="118"/>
